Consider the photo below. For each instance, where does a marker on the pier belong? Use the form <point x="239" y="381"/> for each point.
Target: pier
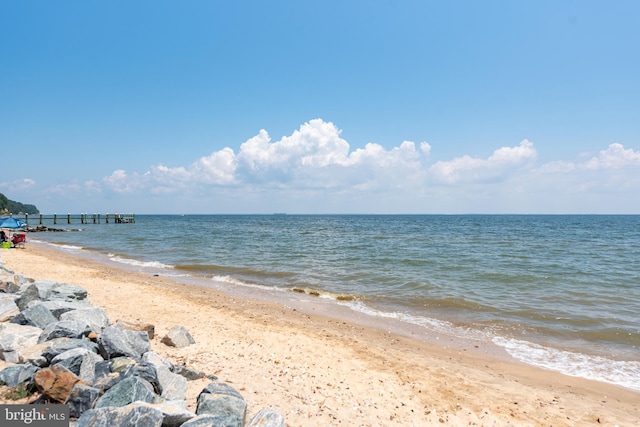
<point x="95" y="218"/>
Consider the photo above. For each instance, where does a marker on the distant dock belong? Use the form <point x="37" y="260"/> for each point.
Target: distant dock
<point x="95" y="218"/>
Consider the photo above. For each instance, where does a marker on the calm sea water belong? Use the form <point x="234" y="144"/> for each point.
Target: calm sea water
<point x="562" y="292"/>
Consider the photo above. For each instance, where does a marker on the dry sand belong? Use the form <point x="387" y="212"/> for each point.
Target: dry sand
<point x="319" y="371"/>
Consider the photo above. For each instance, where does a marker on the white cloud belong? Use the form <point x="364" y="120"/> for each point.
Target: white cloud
<point x="315" y="170"/>
<point x="614" y="157"/>
<point x="218" y="168"/>
<point x="316" y="144"/>
<point x="120" y="182"/>
<point x="20" y="184"/>
<point x="499" y="165"/>
<point x="315" y="156"/>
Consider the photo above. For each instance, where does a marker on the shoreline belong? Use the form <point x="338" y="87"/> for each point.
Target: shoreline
<point x="327" y="370"/>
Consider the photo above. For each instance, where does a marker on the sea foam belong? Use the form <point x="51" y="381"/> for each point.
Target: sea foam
<point x="622" y="373"/>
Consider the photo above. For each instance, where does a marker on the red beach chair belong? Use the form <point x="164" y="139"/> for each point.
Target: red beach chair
<point x="19" y="240"/>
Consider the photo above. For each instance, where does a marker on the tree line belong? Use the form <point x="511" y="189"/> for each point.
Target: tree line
<point x="9" y="206"/>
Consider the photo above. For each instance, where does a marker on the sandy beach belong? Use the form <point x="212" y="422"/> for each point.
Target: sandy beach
<point x="322" y="371"/>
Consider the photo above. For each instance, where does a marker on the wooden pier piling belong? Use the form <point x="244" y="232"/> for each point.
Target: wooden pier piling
<point x="82" y="218"/>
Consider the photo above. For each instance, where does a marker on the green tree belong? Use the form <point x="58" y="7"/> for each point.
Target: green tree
<point x="9" y="206"/>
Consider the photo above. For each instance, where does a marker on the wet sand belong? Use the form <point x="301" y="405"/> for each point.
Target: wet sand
<point x="324" y="370"/>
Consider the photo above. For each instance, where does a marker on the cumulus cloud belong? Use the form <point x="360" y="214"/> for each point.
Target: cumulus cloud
<point x="315" y="144"/>
<point x="315" y="162"/>
<point x="614" y="157"/>
<point x="502" y="162"/>
<point x="117" y="181"/>
<point x="314" y="156"/>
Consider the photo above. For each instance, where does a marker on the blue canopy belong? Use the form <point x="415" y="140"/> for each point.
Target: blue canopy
<point x="13" y="223"/>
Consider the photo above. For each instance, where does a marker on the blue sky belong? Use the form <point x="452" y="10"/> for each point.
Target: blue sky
<point x="321" y="107"/>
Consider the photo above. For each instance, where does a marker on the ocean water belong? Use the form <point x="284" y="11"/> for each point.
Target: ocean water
<point x="561" y="292"/>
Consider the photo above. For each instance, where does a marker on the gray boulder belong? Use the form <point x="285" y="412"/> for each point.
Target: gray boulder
<point x="267" y="417"/>
<point x="116" y="341"/>
<point x="109" y="372"/>
<point x="58" y="308"/>
<point x="208" y="420"/>
<point x="139" y="416"/>
<point x="81" y="399"/>
<point x="220" y="399"/>
<point x="10" y="283"/>
<point x="51" y="291"/>
<point x="127" y="391"/>
<point x="81" y="361"/>
<point x="171" y="385"/>
<point x="67" y="292"/>
<point x="189" y="373"/>
<point x="17" y="374"/>
<point x="156" y="360"/>
<point x="14" y="337"/>
<point x="57" y="346"/>
<point x="33" y="355"/>
<point x="38" y="315"/>
<point x="179" y="337"/>
<point x="149" y="328"/>
<point x="174" y="413"/>
<point x="8" y="307"/>
<point x="37" y="291"/>
<point x="95" y="317"/>
<point x="146" y="371"/>
<point x="64" y="329"/>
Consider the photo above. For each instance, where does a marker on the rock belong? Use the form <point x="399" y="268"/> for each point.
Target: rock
<point x="189" y="373"/>
<point x="33" y="355"/>
<point x="146" y="371"/>
<point x="174" y="414"/>
<point x="14" y="337"/>
<point x="38" y="316"/>
<point x="139" y="341"/>
<point x="64" y="329"/>
<point x="220" y="399"/>
<point x="179" y="337"/>
<point x="81" y="361"/>
<point x="156" y="360"/>
<point x="104" y="377"/>
<point x="147" y="327"/>
<point x="81" y="399"/>
<point x="17" y="374"/>
<point x="110" y="372"/>
<point x="67" y="292"/>
<point x="58" y="308"/>
<point x="267" y="417"/>
<point x="39" y="290"/>
<point x="208" y="420"/>
<point x="130" y="415"/>
<point x="95" y="317"/>
<point x="56" y="382"/>
<point x="122" y="364"/>
<point x="172" y="386"/>
<point x="57" y="346"/>
<point x="8" y="307"/>
<point x="51" y="291"/>
<point x="10" y="283"/>
<point x="116" y="341"/>
<point x="127" y="391"/>
<point x="133" y="386"/>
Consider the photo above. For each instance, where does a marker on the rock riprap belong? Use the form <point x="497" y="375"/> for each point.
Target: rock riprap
<point x="60" y="346"/>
